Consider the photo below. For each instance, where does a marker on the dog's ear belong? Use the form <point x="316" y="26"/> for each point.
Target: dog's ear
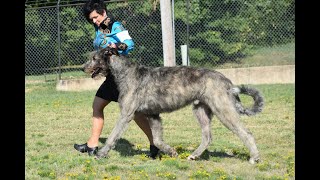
<point x="108" y="51"/>
<point x="115" y="51"/>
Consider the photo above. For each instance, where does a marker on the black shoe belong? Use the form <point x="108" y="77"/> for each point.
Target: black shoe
<point x="153" y="152"/>
<point x="84" y="148"/>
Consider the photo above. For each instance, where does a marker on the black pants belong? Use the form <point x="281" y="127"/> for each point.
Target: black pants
<point x="108" y="89"/>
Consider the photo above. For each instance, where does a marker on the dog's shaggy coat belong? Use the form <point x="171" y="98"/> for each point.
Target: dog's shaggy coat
<point x="164" y="89"/>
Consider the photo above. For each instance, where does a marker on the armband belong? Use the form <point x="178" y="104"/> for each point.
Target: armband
<point x="121" y="46"/>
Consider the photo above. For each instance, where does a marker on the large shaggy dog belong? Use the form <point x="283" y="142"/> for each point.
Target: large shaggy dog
<point x="164" y="89"/>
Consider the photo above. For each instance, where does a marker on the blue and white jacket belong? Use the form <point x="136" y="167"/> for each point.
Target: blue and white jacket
<point x="118" y="34"/>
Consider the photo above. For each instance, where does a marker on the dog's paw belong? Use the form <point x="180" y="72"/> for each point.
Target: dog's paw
<point x="174" y="153"/>
<point x="254" y="160"/>
<point x="191" y="157"/>
<point x="100" y="155"/>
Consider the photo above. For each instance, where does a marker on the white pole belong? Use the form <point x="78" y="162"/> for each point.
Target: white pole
<point x="184" y="55"/>
<point x="173" y="32"/>
<point x="167" y="33"/>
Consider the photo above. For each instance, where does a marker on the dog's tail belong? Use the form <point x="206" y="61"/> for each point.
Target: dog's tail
<point x="254" y="93"/>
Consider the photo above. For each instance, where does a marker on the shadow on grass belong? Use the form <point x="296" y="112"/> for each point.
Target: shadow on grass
<point x="217" y="154"/>
<point x="222" y="154"/>
<point x="124" y="147"/>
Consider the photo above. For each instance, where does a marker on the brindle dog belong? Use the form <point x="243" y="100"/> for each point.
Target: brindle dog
<point x="165" y="89"/>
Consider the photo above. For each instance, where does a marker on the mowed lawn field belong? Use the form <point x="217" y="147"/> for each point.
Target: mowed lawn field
<point x="55" y="120"/>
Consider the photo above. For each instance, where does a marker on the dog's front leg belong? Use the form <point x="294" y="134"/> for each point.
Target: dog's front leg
<point x="116" y="133"/>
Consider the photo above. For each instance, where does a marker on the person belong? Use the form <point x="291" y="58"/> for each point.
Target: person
<point x="109" y="33"/>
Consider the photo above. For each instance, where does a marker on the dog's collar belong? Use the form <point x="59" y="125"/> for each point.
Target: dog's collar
<point x="106" y="25"/>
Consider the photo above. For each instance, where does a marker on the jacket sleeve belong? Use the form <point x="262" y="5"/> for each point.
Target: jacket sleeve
<point x="121" y="35"/>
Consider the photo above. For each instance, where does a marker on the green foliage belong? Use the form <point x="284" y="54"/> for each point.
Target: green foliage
<point x="192" y="15"/>
<point x="40" y="43"/>
<point x="230" y="28"/>
<point x="76" y="32"/>
<point x="220" y="31"/>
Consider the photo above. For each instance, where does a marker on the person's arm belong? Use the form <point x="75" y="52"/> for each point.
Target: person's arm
<point x="123" y="41"/>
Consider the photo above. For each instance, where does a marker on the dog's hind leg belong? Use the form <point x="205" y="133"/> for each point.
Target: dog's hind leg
<point x="225" y="110"/>
<point x="204" y="115"/>
<point x="157" y="134"/>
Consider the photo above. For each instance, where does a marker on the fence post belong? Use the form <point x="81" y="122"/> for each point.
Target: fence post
<point x="167" y="33"/>
<point x="173" y="32"/>
<point x="59" y="41"/>
<point x="187" y="44"/>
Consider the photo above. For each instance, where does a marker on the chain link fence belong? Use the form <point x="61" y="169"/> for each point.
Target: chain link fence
<point x="220" y="34"/>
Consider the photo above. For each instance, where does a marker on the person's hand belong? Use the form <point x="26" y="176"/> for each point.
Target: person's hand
<point x="112" y="45"/>
<point x="121" y="46"/>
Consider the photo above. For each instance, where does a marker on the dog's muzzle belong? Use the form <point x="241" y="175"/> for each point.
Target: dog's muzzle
<point x="83" y="68"/>
<point x="96" y="72"/>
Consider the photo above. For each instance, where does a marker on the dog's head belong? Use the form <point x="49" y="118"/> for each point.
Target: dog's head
<point x="98" y="62"/>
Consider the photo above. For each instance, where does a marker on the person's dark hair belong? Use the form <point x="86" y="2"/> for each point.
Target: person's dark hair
<point x="92" y="5"/>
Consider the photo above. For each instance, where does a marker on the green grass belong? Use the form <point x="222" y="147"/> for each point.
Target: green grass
<point x="55" y="76"/>
<point x="279" y="55"/>
<point x="56" y="120"/>
<point x="265" y="56"/>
